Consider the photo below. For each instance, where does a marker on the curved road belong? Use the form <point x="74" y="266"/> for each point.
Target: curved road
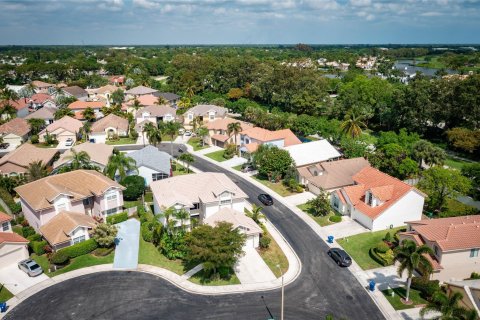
<point x="322" y="287"/>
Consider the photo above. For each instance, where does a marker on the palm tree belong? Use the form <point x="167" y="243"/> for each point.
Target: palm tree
<point x="89" y="114"/>
<point x="184" y="103"/>
<point x="36" y="125"/>
<point x="255" y="213"/>
<point x="8" y="94"/>
<point x="202" y="132"/>
<point x="154" y="135"/>
<point x="62" y="112"/>
<point x="182" y="215"/>
<point x="411" y="257"/>
<point x="36" y="170"/>
<point x="80" y="159"/>
<point x="234" y="128"/>
<point x="161" y="100"/>
<point x="120" y="163"/>
<point x="353" y="124"/>
<point x="448" y="307"/>
<point x="136" y="104"/>
<point x="86" y="129"/>
<point x="9" y="110"/>
<point x="197" y="122"/>
<point x="188" y="159"/>
<point x="169" y="224"/>
<point x="171" y="128"/>
<point x="190" y="92"/>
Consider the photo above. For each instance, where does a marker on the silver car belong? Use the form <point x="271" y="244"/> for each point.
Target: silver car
<point x="30" y="267"/>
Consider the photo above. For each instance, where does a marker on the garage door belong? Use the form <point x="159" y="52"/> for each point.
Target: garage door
<point x="13" y="255"/>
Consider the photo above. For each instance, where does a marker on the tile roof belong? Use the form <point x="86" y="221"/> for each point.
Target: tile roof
<point x="191" y="188"/>
<point x="222" y="124"/>
<point x="237" y="219"/>
<point x="265" y="135"/>
<point x="156" y="111"/>
<point x="312" y="152"/>
<point x="169" y="96"/>
<point x="419" y="242"/>
<point x="104" y="89"/>
<point x="17" y="104"/>
<point x="67" y="123"/>
<point x="99" y="153"/>
<point x="455" y="233"/>
<point x="82" y="105"/>
<point x="145" y="100"/>
<point x="17" y="126"/>
<point x="75" y="91"/>
<point x="26" y="154"/>
<point x="152" y="158"/>
<point x="220" y="137"/>
<point x="42" y="85"/>
<point x="4" y="217"/>
<point x="12" y="237"/>
<point x="44" y="113"/>
<point x="203" y="109"/>
<point x="78" y="184"/>
<point x="41" y="97"/>
<point x="251" y="147"/>
<point x="110" y="121"/>
<point x="140" y="90"/>
<point x="387" y="187"/>
<point x="58" y="229"/>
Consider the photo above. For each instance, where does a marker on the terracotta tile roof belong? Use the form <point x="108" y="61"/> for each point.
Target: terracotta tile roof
<point x="110" y="121"/>
<point x="237" y="219"/>
<point x="58" y="229"/>
<point x="67" y="123"/>
<point x="12" y="237"/>
<point x="17" y="104"/>
<point x="41" y="97"/>
<point x="145" y="100"/>
<point x="78" y="184"/>
<point x="455" y="233"/>
<point x="220" y="137"/>
<point x="251" y="147"/>
<point x="4" y="217"/>
<point x="156" y="111"/>
<point x="222" y="124"/>
<point x="17" y="126"/>
<point x="99" y="153"/>
<point x="26" y="154"/>
<point x="419" y="242"/>
<point x="265" y="135"/>
<point x="387" y="187"/>
<point x="82" y="105"/>
<point x="44" y="113"/>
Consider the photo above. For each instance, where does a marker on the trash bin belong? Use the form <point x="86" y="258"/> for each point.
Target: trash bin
<point x="3" y="307"/>
<point x="371" y="285"/>
<point x="330" y="239"/>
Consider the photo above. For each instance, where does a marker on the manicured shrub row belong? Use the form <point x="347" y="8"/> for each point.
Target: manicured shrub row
<point x="147" y="232"/>
<point x="335" y="219"/>
<point x="117" y="218"/>
<point x="425" y="286"/>
<point x="59" y="258"/>
<point x="38" y="247"/>
<point x="80" y="249"/>
<point x="378" y="258"/>
<point x="381" y="247"/>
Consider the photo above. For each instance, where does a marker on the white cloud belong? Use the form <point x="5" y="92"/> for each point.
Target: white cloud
<point x="146" y="4"/>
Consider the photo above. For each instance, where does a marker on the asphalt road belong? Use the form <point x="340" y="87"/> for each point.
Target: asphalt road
<point x="322" y="288"/>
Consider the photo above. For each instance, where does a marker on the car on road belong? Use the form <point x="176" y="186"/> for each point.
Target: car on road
<point x="4" y="145"/>
<point x="69" y="142"/>
<point x="266" y="199"/>
<point x="340" y="257"/>
<point x="30" y="267"/>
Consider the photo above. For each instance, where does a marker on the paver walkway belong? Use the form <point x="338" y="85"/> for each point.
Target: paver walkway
<point x="126" y="251"/>
<point x="300" y="198"/>
<point x="251" y="268"/>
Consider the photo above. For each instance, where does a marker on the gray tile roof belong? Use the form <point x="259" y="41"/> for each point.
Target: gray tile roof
<point x="167" y="95"/>
<point x="140" y="90"/>
<point x="203" y="109"/>
<point x="152" y="158"/>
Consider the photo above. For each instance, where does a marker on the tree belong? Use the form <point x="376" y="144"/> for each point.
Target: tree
<point x="36" y="125"/>
<point x="184" y="103"/>
<point x="464" y="139"/>
<point x="440" y="184"/>
<point x="79" y="160"/>
<point x="104" y="234"/>
<point x="216" y="247"/>
<point x="256" y="213"/>
<point x="188" y="159"/>
<point x="118" y="96"/>
<point x="135" y="186"/>
<point x="449" y="307"/>
<point x="271" y="161"/>
<point x="353" y="148"/>
<point x="89" y="114"/>
<point x="202" y="132"/>
<point x="425" y="151"/>
<point x="412" y="257"/>
<point x="86" y="129"/>
<point x="161" y="101"/>
<point x="119" y="163"/>
<point x="136" y="104"/>
<point x="472" y="172"/>
<point x="36" y="170"/>
<point x="154" y="134"/>
<point x="9" y="110"/>
<point x="320" y="205"/>
<point x="196" y="123"/>
<point x="62" y="112"/>
<point x="235" y="93"/>
<point x="234" y="128"/>
<point x="171" y="129"/>
<point x="353" y="124"/>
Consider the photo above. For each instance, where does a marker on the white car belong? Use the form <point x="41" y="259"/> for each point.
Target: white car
<point x="181" y="131"/>
<point x="69" y="142"/>
<point x="188" y="133"/>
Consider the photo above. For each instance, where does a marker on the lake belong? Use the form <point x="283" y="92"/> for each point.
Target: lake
<point x="408" y="66"/>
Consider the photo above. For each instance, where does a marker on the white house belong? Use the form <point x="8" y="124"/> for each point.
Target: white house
<point x="152" y="164"/>
<point x="312" y="152"/>
<point x="108" y="127"/>
<point x="13" y="247"/>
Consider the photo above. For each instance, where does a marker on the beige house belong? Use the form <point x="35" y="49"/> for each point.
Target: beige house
<point x="217" y="131"/>
<point x="470" y="290"/>
<point x="17" y="161"/>
<point x="62" y="129"/>
<point x="99" y="154"/>
<point x="108" y="127"/>
<point x="13" y="247"/>
<point x="455" y="242"/>
<point x="252" y="138"/>
<point x="15" y="132"/>
<point x="205" y="112"/>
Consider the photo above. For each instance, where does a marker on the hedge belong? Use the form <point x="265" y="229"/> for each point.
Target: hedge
<point x="117" y="218"/>
<point x="34" y="237"/>
<point x="27" y="231"/>
<point x="425" y="286"/>
<point x="335" y="218"/>
<point x="38" y="247"/>
<point x="80" y="249"/>
<point x="8" y="199"/>
<point x="381" y="247"/>
<point x="375" y="256"/>
<point x="147" y="234"/>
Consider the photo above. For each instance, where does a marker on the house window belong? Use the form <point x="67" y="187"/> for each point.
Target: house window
<point x="224" y="202"/>
<point x="369" y="198"/>
<point x="196" y="206"/>
<point x="211" y="116"/>
<point x="78" y="239"/>
<point x="111" y="211"/>
<point x="335" y="202"/>
<point x="474" y="253"/>
<point x="5" y="226"/>
<point x="190" y="116"/>
<point x="111" y="196"/>
<point x="435" y="248"/>
<point x="159" y="176"/>
<point x="87" y="201"/>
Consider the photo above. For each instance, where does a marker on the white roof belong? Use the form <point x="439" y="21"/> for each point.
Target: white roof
<point x="312" y="152"/>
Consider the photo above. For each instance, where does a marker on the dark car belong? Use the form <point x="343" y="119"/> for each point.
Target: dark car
<point x="340" y="256"/>
<point x="4" y="145"/>
<point x="266" y="199"/>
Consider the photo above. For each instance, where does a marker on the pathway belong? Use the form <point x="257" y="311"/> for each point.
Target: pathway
<point x="126" y="251"/>
<point x="208" y="150"/>
<point x="251" y="268"/>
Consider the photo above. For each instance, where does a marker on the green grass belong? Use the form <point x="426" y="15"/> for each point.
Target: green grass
<point x="196" y="143"/>
<point x="321" y="220"/>
<point x="17" y="230"/>
<point x="131" y="204"/>
<point x="401" y="293"/>
<point x="238" y="168"/>
<point x="149" y="254"/>
<point x="5" y="295"/>
<point x="278" y="187"/>
<point x="126" y="140"/>
<point x="274" y="256"/>
<point x="433" y="63"/>
<point x="199" y="278"/>
<point x="456" y="208"/>
<point x="217" y="155"/>
<point x="148" y="196"/>
<point x="180" y="170"/>
<point x="455" y="163"/>
<point x="358" y="246"/>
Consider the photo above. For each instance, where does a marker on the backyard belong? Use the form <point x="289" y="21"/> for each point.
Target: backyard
<point x="321" y="220"/>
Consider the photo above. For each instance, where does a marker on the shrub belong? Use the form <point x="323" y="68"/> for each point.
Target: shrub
<point x="60" y="258"/>
<point x="147" y="234"/>
<point x="225" y="272"/>
<point x="378" y="258"/>
<point x="80" y="249"/>
<point x="27" y="231"/>
<point x="133" y="133"/>
<point x="265" y="242"/>
<point x="8" y="199"/>
<point x="104" y="234"/>
<point x="335" y="219"/>
<point x="475" y="275"/>
<point x="230" y="151"/>
<point x="102" y="252"/>
<point x="425" y="286"/>
<point x="38" y="247"/>
<point x="117" y="218"/>
<point x="135" y="186"/>
<point x="34" y="237"/>
<point x="15" y="208"/>
<point x="388" y="237"/>
<point x="381" y="247"/>
<point x="34" y="139"/>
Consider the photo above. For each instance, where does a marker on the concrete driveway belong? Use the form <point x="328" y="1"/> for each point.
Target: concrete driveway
<point x="15" y="280"/>
<point x="300" y="198"/>
<point x="251" y="268"/>
<point x="126" y="251"/>
<point x="346" y="228"/>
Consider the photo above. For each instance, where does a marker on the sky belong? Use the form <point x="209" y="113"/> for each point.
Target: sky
<point x="159" y="22"/>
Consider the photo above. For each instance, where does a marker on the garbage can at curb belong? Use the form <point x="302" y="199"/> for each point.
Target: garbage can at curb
<point x="3" y="307"/>
<point x="330" y="239"/>
<point x="371" y="285"/>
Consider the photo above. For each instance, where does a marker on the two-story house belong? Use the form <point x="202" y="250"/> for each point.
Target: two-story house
<point x="204" y="112"/>
<point x="13" y="247"/>
<point x="78" y="107"/>
<point x="218" y="132"/>
<point x="455" y="242"/>
<point x="154" y="114"/>
<point x="378" y="201"/>
<point x="252" y="138"/>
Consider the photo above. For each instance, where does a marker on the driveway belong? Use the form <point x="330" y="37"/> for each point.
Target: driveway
<point x="126" y="251"/>
<point x="15" y="280"/>
<point x="236" y="161"/>
<point x="346" y="228"/>
<point x="300" y="198"/>
<point x="251" y="268"/>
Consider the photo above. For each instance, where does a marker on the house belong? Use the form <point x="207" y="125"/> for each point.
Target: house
<point x="20" y="105"/>
<point x="332" y="175"/>
<point x="152" y="164"/>
<point x="62" y="129"/>
<point x="455" y="242"/>
<point x="470" y="290"/>
<point x="155" y="114"/>
<point x="46" y="113"/>
<point x="15" y="132"/>
<point x="144" y="100"/>
<point x="217" y="130"/>
<point x="108" y="127"/>
<point x="67" y="228"/>
<point x="252" y="138"/>
<point x="41" y="100"/>
<point x="79" y="106"/>
<point x="13" y="247"/>
<point x="201" y="194"/>
<point x="76" y="92"/>
<point x="99" y="155"/>
<point x="42" y="87"/>
<point x="140" y="91"/>
<point x="378" y="201"/>
<point x="171" y="98"/>
<point x="116" y="80"/>
<point x="205" y="112"/>
<point x="103" y="94"/>
<point x="309" y="153"/>
<point x="83" y="191"/>
<point x="16" y="162"/>
<point x="239" y="221"/>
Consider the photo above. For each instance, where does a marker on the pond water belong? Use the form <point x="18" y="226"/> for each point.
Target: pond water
<point x="409" y="67"/>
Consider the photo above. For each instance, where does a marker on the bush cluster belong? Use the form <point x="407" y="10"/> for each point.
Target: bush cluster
<point x="27" y="231"/>
<point x="117" y="218"/>
<point x="384" y="259"/>
<point x="38" y="247"/>
<point x="8" y="199"/>
<point x="381" y="247"/>
<point x="59" y="258"/>
<point x="147" y="232"/>
<point x="425" y="286"/>
<point x="335" y="219"/>
<point x="80" y="249"/>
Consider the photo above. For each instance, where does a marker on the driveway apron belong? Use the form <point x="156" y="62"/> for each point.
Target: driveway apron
<point x="126" y="252"/>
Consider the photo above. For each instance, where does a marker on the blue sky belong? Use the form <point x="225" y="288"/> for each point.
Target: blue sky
<point x="238" y="21"/>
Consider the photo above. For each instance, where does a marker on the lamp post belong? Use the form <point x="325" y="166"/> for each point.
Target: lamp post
<point x="282" y="305"/>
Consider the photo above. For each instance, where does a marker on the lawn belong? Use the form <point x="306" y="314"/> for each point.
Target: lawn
<point x="358" y="246"/>
<point x="196" y="143"/>
<point x="121" y="141"/>
<point x="321" y="220"/>
<point x="217" y="155"/>
<point x="149" y="254"/>
<point x="455" y="163"/>
<point x="400" y="293"/>
<point x="131" y="204"/>
<point x="199" y="278"/>
<point x="456" y="208"/>
<point x="148" y="196"/>
<point x="238" y="168"/>
<point x="180" y="170"/>
<point x="274" y="256"/>
<point x="5" y="295"/>
<point x="278" y="187"/>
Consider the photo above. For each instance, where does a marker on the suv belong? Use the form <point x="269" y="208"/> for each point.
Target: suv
<point x="266" y="199"/>
<point x="69" y="142"/>
<point x="340" y="256"/>
<point x="30" y="267"/>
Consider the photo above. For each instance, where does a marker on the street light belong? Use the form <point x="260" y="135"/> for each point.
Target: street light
<point x="281" y="310"/>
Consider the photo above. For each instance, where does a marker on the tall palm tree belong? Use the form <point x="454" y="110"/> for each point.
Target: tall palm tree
<point x="182" y="215"/>
<point x="86" y="129"/>
<point x="79" y="159"/>
<point x="36" y="125"/>
<point x="154" y="135"/>
<point x="411" y="257"/>
<point x="89" y="114"/>
<point x="353" y="124"/>
<point x="184" y="103"/>
<point x="36" y="170"/>
<point x="448" y="307"/>
<point x="136" y="104"/>
<point x="188" y="159"/>
<point x="171" y="129"/>
<point x="202" y="132"/>
<point x="197" y="122"/>
<point x="8" y="110"/>
<point x="234" y="128"/>
<point x="62" y="112"/>
<point x="121" y="164"/>
<point x="256" y="213"/>
<point x="161" y="100"/>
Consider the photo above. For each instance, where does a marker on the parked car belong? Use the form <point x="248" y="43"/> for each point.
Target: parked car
<point x="188" y="133"/>
<point x="30" y="267"/>
<point x="69" y="142"/>
<point x="181" y="131"/>
<point x="4" y="145"/>
<point x="266" y="199"/>
<point x="340" y="257"/>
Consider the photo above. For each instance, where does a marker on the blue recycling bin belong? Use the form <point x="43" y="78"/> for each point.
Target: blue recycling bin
<point x="330" y="239"/>
<point x="371" y="285"/>
<point x="3" y="307"/>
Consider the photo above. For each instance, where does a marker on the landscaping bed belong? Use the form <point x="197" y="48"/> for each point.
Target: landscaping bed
<point x="400" y="293"/>
<point x="200" y="278"/>
<point x="321" y="220"/>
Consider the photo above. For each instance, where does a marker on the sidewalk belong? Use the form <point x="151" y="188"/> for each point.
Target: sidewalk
<point x="126" y="251"/>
